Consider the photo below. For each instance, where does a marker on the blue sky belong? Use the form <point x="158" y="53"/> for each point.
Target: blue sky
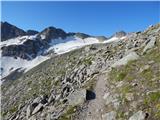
<point x="95" y="18"/>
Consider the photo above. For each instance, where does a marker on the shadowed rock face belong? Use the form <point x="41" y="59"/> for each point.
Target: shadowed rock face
<point x="28" y="50"/>
<point x="78" y="34"/>
<point x="32" y="32"/>
<point x="82" y="35"/>
<point x="10" y="31"/>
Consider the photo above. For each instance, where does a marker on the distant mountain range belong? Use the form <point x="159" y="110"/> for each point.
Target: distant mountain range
<point x="18" y="45"/>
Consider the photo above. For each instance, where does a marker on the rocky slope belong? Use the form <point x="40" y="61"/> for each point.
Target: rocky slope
<point x="119" y="80"/>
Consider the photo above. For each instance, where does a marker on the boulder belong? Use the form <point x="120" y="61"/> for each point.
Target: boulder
<point x="123" y="61"/>
<point x="109" y="116"/>
<point x="77" y="97"/>
<point x="51" y="98"/>
<point x="29" y="111"/>
<point x="37" y="100"/>
<point x="138" y="116"/>
<point x="38" y="108"/>
<point x="150" y="44"/>
<point x="111" y="99"/>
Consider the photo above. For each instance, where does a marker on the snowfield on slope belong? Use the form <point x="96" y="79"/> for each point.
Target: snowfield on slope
<point x="59" y="46"/>
<point x="17" y="40"/>
<point x="10" y="64"/>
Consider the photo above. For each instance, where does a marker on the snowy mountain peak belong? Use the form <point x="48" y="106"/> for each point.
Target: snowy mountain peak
<point x="52" y="33"/>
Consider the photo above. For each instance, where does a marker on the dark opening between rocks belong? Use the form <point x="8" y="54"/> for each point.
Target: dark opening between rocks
<point x="90" y="95"/>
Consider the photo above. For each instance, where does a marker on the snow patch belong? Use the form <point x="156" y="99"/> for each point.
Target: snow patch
<point x="43" y="37"/>
<point x="10" y="64"/>
<point x="61" y="46"/>
<point x="113" y="39"/>
<point x="17" y="40"/>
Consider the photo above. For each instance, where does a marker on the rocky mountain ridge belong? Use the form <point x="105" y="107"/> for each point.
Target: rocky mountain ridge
<point x="111" y="81"/>
<point x="9" y="31"/>
<point x="32" y="46"/>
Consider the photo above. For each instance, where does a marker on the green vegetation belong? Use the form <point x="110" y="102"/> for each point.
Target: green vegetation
<point x="87" y="61"/>
<point x="13" y="109"/>
<point x="126" y="89"/>
<point x="141" y="78"/>
<point x="68" y="115"/>
<point x="120" y="74"/>
<point x="153" y="97"/>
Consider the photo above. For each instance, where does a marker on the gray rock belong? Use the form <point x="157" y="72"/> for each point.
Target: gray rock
<point x="29" y="111"/>
<point x="110" y="98"/>
<point x="146" y="67"/>
<point x="77" y="97"/>
<point x="129" y="96"/>
<point x="58" y="97"/>
<point x="138" y="116"/>
<point x="44" y="99"/>
<point x="37" y="108"/>
<point x="51" y="99"/>
<point x="149" y="45"/>
<point x="37" y="100"/>
<point x="126" y="59"/>
<point x="109" y="116"/>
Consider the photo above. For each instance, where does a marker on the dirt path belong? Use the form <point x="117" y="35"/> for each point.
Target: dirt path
<point x="96" y="106"/>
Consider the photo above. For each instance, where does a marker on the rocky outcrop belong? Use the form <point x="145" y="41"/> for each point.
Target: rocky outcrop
<point x="52" y="33"/>
<point x="28" y="50"/>
<point x="150" y="44"/>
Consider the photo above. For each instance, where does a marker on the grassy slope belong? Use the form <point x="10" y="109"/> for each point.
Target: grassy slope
<point x="141" y="80"/>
